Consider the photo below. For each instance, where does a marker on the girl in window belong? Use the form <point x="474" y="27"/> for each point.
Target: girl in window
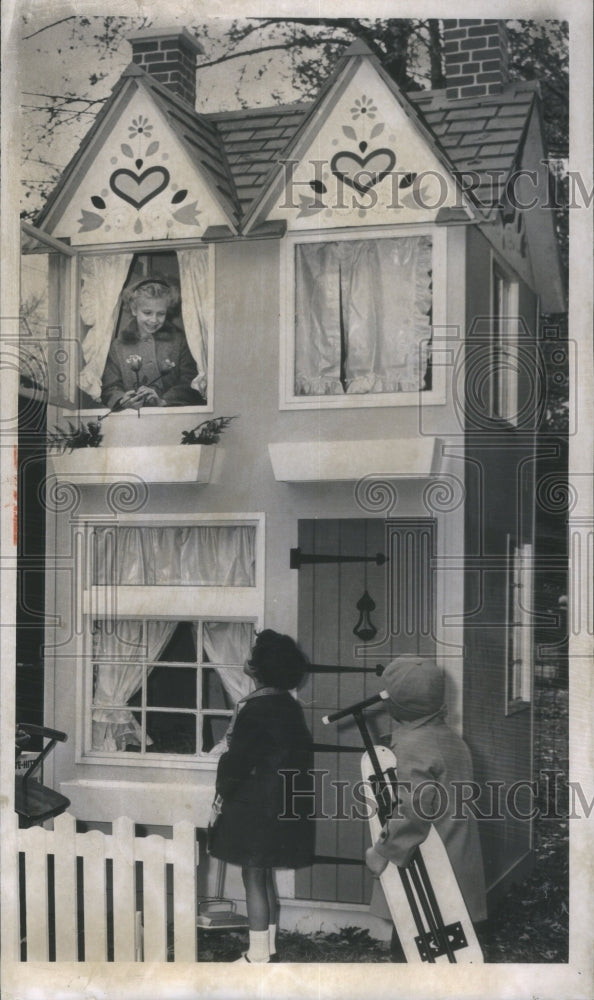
<point x="150" y="363"/>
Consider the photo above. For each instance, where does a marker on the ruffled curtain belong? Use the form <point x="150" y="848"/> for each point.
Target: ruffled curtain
<point x="102" y="280"/>
<point x="362" y="316"/>
<point x="113" y="723"/>
<point x="199" y="555"/>
<point x="194" y="286"/>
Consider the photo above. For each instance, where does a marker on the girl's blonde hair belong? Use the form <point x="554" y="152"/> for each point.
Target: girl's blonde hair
<point x="154" y="287"/>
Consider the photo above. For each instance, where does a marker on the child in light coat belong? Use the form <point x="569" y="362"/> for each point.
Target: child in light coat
<point x="427" y="750"/>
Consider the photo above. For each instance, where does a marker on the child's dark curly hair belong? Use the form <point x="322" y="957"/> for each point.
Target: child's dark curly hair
<point x="277" y="660"/>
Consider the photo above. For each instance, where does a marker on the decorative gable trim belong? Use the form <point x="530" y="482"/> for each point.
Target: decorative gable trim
<point x="138" y="182"/>
<point x="383" y="158"/>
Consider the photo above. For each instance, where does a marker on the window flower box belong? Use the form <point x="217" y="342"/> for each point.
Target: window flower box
<point x="152" y="464"/>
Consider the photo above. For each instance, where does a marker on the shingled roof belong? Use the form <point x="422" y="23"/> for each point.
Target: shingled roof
<point x="480" y="134"/>
<point x="238" y="151"/>
<point x="254" y="141"/>
<point x="483" y="135"/>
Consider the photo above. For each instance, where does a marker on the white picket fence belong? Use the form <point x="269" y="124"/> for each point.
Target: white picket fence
<point x="95" y="912"/>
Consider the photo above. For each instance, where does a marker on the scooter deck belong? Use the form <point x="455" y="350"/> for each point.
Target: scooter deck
<point x="417" y="947"/>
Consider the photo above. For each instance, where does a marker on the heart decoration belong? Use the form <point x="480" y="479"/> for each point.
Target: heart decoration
<point x="349" y="166"/>
<point x="137" y="189"/>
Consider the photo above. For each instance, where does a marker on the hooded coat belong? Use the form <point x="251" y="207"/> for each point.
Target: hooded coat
<point x="428" y="751"/>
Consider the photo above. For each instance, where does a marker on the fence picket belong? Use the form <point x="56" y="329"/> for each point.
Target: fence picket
<point x="94" y="848"/>
<point x="64" y="848"/>
<point x="124" y="890"/>
<point x="33" y="843"/>
<point x="154" y="888"/>
<point x="91" y="847"/>
<point x="183" y="850"/>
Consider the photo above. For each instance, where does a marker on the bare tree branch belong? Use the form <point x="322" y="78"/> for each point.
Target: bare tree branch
<point x="48" y="26"/>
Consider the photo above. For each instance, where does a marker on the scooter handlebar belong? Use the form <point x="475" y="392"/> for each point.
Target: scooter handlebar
<point x="357" y="707"/>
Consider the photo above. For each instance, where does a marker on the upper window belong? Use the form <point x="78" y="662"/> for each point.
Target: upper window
<point x="360" y="324"/>
<point x="503" y="365"/>
<point x="145" y="326"/>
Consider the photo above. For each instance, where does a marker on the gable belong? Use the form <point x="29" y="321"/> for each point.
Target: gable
<point x="136" y="181"/>
<point x="361" y="158"/>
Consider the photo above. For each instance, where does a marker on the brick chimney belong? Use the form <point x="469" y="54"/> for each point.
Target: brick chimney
<point x="476" y="57"/>
<point x="168" y="54"/>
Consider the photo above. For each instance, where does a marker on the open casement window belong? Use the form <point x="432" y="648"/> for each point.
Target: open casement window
<point x="360" y="314"/>
<point x="48" y="353"/>
<point x="519" y="628"/>
<point x="170" y="613"/>
<point x="503" y="363"/>
<point x="104" y="317"/>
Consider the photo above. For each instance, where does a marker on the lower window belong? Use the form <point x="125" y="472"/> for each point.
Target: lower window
<point x="166" y="687"/>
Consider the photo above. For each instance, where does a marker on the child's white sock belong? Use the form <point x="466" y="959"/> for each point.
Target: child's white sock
<point x="258" y="950"/>
<point x="272" y="938"/>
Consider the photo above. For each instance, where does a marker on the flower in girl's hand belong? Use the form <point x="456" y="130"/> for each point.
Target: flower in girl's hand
<point x="135" y="362"/>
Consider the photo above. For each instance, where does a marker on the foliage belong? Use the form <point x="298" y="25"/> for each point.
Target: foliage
<point x="208" y="432"/>
<point x="86" y="435"/>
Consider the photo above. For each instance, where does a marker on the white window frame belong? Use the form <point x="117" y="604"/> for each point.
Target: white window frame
<point x="60" y="348"/>
<point x="158" y="246"/>
<point x="503" y="384"/>
<point x="173" y="603"/>
<point x="436" y="395"/>
<point x="519" y="638"/>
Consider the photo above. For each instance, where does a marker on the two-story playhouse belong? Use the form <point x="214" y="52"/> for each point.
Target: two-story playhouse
<point x="361" y="279"/>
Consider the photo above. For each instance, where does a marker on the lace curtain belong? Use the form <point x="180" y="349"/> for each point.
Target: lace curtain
<point x="199" y="555"/>
<point x="362" y="315"/>
<point x="102" y="280"/>
<point x="113" y="727"/>
<point x="194" y="286"/>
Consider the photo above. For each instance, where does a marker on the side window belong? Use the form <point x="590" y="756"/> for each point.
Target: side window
<point x="146" y="322"/>
<point x="360" y="320"/>
<point x="503" y="395"/>
<point x="519" y="648"/>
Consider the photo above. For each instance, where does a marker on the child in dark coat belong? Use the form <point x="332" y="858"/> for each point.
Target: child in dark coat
<point x="427" y="750"/>
<point x="261" y="825"/>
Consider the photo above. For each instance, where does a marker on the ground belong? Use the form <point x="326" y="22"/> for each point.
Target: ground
<point x="531" y="924"/>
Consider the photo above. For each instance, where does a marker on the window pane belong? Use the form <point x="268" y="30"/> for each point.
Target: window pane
<point x="48" y="357"/>
<point x="181" y="648"/>
<point x="362" y="316"/>
<point x="214" y="694"/>
<point x="196" y="555"/>
<point x="171" y="732"/>
<point x="213" y="731"/>
<point x="172" y="687"/>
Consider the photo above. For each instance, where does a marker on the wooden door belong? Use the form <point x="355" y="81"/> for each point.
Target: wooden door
<point x="402" y="590"/>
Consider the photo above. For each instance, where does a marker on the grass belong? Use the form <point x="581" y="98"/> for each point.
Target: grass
<point x="531" y="924"/>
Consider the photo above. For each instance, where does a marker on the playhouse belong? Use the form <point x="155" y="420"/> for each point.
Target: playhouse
<point x="361" y="280"/>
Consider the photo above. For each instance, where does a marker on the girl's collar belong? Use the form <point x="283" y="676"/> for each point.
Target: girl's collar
<point x="259" y="692"/>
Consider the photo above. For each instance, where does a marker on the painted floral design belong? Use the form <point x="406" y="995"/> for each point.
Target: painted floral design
<point x="140" y="126"/>
<point x="363" y="108"/>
